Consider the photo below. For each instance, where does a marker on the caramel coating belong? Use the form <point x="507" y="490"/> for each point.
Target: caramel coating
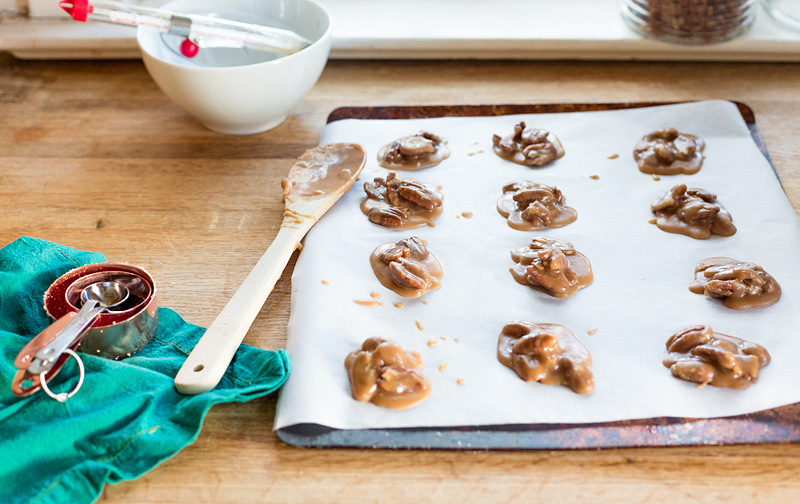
<point x="406" y="267"/>
<point x="739" y="284"/>
<point x="547" y="353"/>
<point x="700" y="355"/>
<point x="528" y="146"/>
<point x="321" y="171"/>
<point x="552" y="266"/>
<point x="401" y="203"/>
<point x="529" y="206"/>
<point x="669" y="152"/>
<point x="414" y="152"/>
<point x="692" y="212"/>
<point x="383" y="373"/>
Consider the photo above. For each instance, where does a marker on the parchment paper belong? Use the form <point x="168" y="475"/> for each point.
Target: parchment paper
<point x="638" y="299"/>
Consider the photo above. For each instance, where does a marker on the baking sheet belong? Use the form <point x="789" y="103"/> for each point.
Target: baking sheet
<point x="633" y="262"/>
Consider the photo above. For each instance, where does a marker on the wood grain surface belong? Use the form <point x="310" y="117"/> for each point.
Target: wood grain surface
<point x="93" y="155"/>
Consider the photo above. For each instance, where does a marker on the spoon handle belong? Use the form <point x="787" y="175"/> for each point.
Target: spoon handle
<point x="209" y="359"/>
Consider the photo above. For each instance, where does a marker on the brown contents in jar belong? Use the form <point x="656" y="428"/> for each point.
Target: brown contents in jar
<point x="692" y="212"/>
<point x="401" y="203"/>
<point x="528" y="146"/>
<point x="690" y="21"/>
<point x="547" y="353"/>
<point x="740" y="285"/>
<point x="414" y="152"/>
<point x="552" y="266"/>
<point x="385" y="374"/>
<point x="529" y="206"/>
<point x="700" y="355"/>
<point x="668" y="152"/>
<point x="406" y="267"/>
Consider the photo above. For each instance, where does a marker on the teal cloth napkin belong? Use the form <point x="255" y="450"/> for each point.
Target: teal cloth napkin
<point x="127" y="416"/>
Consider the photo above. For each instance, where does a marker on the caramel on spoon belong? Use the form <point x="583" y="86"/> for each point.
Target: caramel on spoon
<point x="315" y="181"/>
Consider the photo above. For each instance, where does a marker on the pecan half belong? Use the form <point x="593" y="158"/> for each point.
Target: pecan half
<point x="697" y="210"/>
<point x="516" y="329"/>
<point x="409" y="274"/>
<point x="400" y="250"/>
<point x="388" y="216"/>
<point x="670" y="199"/>
<point x="686" y="339"/>
<point x="539" y="154"/>
<point x="531" y="136"/>
<point x="504" y="145"/>
<point x="537" y="210"/>
<point x="526" y="193"/>
<point x="415" y="145"/>
<point x="553" y="259"/>
<point x="725" y="288"/>
<point x="577" y="375"/>
<point x="539" y="344"/>
<point x="702" y="194"/>
<point x="419" y="194"/>
<point x="518" y="129"/>
<point x="716" y="355"/>
<point x="666" y="134"/>
<point x="664" y="152"/>
<point x="544" y="243"/>
<point x="693" y="371"/>
<point x="392" y="187"/>
<point x="377" y="189"/>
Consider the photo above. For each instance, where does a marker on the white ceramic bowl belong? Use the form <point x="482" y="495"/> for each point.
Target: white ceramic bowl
<point x="246" y="98"/>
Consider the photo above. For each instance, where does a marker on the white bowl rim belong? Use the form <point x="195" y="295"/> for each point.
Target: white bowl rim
<point x="320" y="40"/>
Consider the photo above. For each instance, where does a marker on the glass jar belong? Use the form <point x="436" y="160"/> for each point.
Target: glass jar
<point x="689" y="21"/>
<point x="785" y="12"/>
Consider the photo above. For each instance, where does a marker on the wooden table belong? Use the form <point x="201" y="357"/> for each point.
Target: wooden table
<point x="94" y="156"/>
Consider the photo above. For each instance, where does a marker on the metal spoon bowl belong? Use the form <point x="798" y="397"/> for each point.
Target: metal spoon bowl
<point x="107" y="294"/>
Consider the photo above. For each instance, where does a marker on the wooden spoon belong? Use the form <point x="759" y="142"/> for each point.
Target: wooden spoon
<point x="315" y="181"/>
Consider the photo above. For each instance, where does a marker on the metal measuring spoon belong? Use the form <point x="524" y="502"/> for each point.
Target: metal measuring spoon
<point x="97" y="298"/>
<point x="107" y="294"/>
